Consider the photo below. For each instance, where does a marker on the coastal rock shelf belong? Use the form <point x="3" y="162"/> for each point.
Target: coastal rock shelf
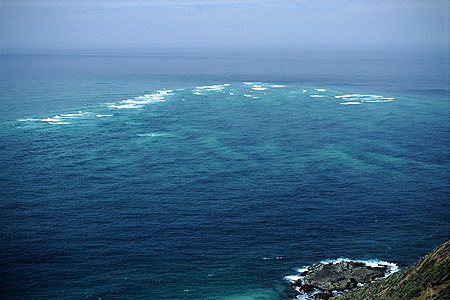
<point x="428" y="279"/>
<point x="321" y="280"/>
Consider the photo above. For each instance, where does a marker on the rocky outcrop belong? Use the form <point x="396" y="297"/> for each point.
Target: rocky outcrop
<point x="339" y="276"/>
<point x="428" y="279"/>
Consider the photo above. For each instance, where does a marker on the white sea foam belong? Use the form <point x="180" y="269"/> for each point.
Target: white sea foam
<point x="259" y="88"/>
<point x="58" y="123"/>
<point x="102" y="116"/>
<point x="293" y="278"/>
<point x="72" y="115"/>
<point x="28" y="120"/>
<point x="316" y="96"/>
<point x="350" y="103"/>
<point x="390" y="268"/>
<point x="248" y="96"/>
<point x="374" y="101"/>
<point x="50" y="120"/>
<point x="304" y="91"/>
<point x="154" y="134"/>
<point x="196" y="93"/>
<point x="68" y="117"/>
<point x="363" y="98"/>
<point x="165" y="92"/>
<point x="134" y="101"/>
<point x="320" y="90"/>
<point x="246" y="82"/>
<point x="139" y="101"/>
<point x="121" y="106"/>
<point x="359" y="98"/>
<point x="231" y="93"/>
<point x="211" y="87"/>
<point x="347" y="96"/>
<point x="277" y="86"/>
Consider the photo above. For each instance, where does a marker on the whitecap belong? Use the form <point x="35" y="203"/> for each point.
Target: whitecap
<point x="277" y="86"/>
<point x="231" y="93"/>
<point x="374" y="101"/>
<point x="210" y="87"/>
<point x="259" y="88"/>
<point x="165" y="92"/>
<point x="72" y="115"/>
<point x="58" y="123"/>
<point x="131" y="105"/>
<point x="27" y="120"/>
<point x="320" y="90"/>
<point x="196" y="93"/>
<point x="349" y="103"/>
<point x="347" y="96"/>
<point x="293" y="278"/>
<point x="102" y="116"/>
<point x="246" y="95"/>
<point x="316" y="96"/>
<point x="50" y="120"/>
<point x="130" y="101"/>
<point x="304" y="91"/>
<point x="216" y="88"/>
<point x="154" y="134"/>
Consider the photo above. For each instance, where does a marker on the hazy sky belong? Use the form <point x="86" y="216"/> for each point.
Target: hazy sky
<point x="115" y="24"/>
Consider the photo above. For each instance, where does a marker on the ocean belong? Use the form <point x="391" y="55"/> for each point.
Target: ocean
<point x="216" y="173"/>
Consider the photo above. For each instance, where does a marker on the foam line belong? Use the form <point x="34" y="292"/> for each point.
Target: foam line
<point x="72" y="115"/>
<point x="28" y="120"/>
<point x="131" y="105"/>
<point x="347" y="96"/>
<point x="50" y="120"/>
<point x="373" y="101"/>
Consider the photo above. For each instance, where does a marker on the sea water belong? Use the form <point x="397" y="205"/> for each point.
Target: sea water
<point x="214" y="174"/>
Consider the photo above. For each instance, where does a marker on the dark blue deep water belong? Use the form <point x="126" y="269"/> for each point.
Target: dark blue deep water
<point x="214" y="174"/>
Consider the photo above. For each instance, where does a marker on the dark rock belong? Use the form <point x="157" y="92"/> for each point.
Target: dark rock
<point x="429" y="278"/>
<point x="339" y="276"/>
<point x="323" y="296"/>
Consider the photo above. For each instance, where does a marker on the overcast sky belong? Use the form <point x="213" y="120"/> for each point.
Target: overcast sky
<point x="116" y="24"/>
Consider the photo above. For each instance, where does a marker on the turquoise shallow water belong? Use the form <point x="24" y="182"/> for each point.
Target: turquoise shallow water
<point x="141" y="184"/>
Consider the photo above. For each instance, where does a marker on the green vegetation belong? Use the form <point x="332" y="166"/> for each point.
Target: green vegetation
<point x="429" y="278"/>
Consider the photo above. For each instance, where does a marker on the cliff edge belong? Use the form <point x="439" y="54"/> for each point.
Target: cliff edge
<point x="428" y="279"/>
